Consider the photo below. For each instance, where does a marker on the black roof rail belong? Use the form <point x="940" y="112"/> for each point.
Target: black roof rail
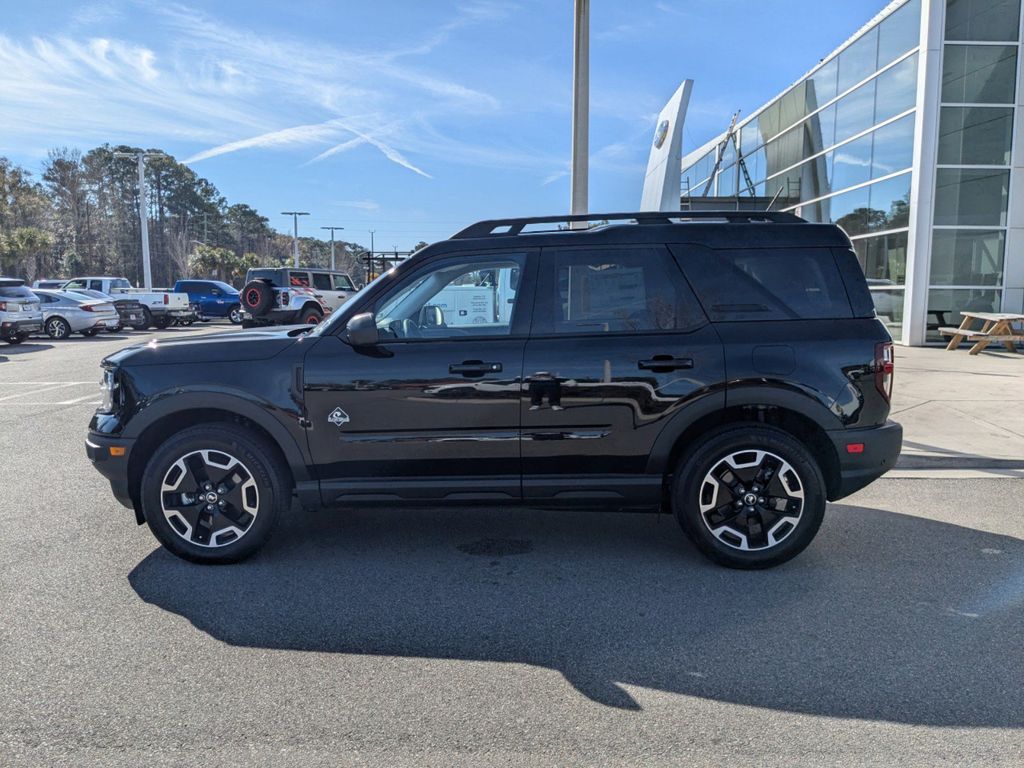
<point x="508" y="227"/>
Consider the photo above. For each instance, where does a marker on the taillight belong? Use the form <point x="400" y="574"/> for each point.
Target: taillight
<point x="88" y="307"/>
<point x="3" y="306"/>
<point x="884" y="366"/>
<point x="284" y="298"/>
<point x="167" y="298"/>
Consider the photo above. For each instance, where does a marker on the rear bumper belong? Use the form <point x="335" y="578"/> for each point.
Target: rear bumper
<point x="113" y="468"/>
<point x="12" y="327"/>
<point x="881" y="449"/>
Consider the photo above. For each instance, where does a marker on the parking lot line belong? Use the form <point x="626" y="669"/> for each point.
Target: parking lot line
<point x="40" y="391"/>
<point x="80" y="399"/>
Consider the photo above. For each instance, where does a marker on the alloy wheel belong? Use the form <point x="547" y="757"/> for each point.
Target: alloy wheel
<point x="751" y="500"/>
<point x="209" y="498"/>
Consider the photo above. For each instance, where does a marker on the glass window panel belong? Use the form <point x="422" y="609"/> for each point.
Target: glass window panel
<point x="849" y="210"/>
<point x="900" y="32"/>
<point x="979" y="74"/>
<point x="821" y="86"/>
<point x="967" y="257"/>
<point x="852" y="163"/>
<point x="855" y="111"/>
<point x="793" y="105"/>
<point x="727" y="181"/>
<point x="858" y="60"/>
<point x="728" y="154"/>
<point x="893" y="147"/>
<point x="975" y="135"/>
<point x="770" y="120"/>
<point x="756" y="164"/>
<point x="971" y="197"/>
<point x="889" y="308"/>
<point x="890" y="204"/>
<point x="883" y="259"/>
<point x="896" y="89"/>
<point x="982" y="19"/>
<point x="821" y="129"/>
<point x="946" y="304"/>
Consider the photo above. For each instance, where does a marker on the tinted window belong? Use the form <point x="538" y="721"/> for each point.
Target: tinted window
<point x="16" y="292"/>
<point x="321" y="281"/>
<point x="766" y="284"/>
<point x="97" y="285"/>
<point x="972" y="197"/>
<point x="634" y="290"/>
<point x="77" y="284"/>
<point x="119" y="282"/>
<point x="342" y="283"/>
<point x="979" y="74"/>
<point x="298" y="278"/>
<point x="975" y="135"/>
<point x="273" y="275"/>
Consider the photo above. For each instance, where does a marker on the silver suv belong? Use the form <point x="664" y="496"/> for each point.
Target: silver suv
<point x="20" y="315"/>
<point x="287" y="296"/>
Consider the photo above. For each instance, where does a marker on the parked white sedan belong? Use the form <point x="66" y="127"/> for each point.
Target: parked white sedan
<point x="66" y="313"/>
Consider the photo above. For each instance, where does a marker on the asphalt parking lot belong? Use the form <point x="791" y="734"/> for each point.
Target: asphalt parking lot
<point x="476" y="637"/>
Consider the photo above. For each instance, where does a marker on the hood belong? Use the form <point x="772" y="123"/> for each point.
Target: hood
<point x="227" y="347"/>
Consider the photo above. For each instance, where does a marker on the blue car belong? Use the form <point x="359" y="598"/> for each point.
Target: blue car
<point x="214" y="298"/>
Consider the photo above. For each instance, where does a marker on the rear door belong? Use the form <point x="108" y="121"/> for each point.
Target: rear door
<point x="619" y="347"/>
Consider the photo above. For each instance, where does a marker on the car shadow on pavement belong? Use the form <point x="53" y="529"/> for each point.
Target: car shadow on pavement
<point x="26" y="347"/>
<point x="885" y="617"/>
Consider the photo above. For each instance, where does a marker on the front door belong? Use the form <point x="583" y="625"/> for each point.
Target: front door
<point x="432" y="412"/>
<point x="619" y="347"/>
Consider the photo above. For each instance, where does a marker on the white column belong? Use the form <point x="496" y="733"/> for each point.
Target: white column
<point x="922" y="184"/>
<point x="1013" y="266"/>
<point x="580" y="108"/>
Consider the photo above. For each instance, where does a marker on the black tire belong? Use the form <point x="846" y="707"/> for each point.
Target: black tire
<point x="163" y="322"/>
<point x="758" y="510"/>
<point x="91" y="332"/>
<point x="257" y="297"/>
<point x="145" y="322"/>
<point x="235" y="314"/>
<point x="249" y="324"/>
<point x="57" y="328"/>
<point x="115" y="330"/>
<point x="184" y="536"/>
<point x="310" y="315"/>
<point x="16" y="338"/>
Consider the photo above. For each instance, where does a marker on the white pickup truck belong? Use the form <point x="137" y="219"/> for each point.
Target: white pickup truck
<point x="160" y="307"/>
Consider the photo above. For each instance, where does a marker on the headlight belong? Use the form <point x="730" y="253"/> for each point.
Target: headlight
<point x="108" y="389"/>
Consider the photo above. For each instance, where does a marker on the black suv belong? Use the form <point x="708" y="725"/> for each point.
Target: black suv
<point x="728" y="367"/>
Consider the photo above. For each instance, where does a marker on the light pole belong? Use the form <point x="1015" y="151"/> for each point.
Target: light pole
<point x="140" y="159"/>
<point x="295" y="231"/>
<point x="332" y="242"/>
<point x="369" y="269"/>
<point x="580" y="110"/>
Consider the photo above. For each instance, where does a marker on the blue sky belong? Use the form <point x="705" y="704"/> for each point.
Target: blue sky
<point x="412" y="118"/>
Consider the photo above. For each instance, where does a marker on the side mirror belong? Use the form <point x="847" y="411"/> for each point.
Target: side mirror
<point x="362" y="330"/>
<point x="431" y="316"/>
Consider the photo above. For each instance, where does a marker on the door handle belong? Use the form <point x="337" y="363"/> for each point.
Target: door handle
<point x="474" y="368"/>
<point x="664" y="363"/>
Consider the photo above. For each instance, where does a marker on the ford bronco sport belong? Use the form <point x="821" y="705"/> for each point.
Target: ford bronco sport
<point x="728" y="367"/>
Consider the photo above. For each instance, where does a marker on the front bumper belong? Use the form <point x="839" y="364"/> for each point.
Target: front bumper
<point x="113" y="467"/>
<point x="880" y="449"/>
<point x="14" y="327"/>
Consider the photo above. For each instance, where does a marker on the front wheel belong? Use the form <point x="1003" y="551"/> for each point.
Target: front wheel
<point x="749" y="497"/>
<point x="16" y="338"/>
<point x="213" y="494"/>
<point x="57" y="328"/>
<point x="91" y="332"/>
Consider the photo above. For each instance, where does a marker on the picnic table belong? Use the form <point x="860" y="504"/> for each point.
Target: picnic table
<point x="995" y="326"/>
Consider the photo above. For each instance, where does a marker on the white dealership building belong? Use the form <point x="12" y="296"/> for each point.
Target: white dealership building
<point x="910" y="136"/>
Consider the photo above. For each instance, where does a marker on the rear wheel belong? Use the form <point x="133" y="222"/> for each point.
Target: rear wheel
<point x="16" y="338"/>
<point x="160" y="323"/>
<point x="145" y="322"/>
<point x="749" y="497"/>
<point x="57" y="328"/>
<point x="235" y="315"/>
<point x="311" y="315"/>
<point x="213" y="494"/>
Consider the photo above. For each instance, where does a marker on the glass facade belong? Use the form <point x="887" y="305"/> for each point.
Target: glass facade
<point x="972" y="181"/>
<point x="839" y="147"/>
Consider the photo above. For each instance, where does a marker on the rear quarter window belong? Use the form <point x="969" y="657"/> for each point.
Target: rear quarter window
<point x="15" y="292"/>
<point x="765" y="283"/>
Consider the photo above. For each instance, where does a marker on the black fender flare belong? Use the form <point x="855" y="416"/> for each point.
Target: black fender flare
<point x="264" y="414"/>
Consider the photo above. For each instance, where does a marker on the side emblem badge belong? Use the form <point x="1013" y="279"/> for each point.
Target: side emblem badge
<point x="338" y="417"/>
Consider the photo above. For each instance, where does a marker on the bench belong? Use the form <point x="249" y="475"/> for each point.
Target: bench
<point x="995" y="326"/>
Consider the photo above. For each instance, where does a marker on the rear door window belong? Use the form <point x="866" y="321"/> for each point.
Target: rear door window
<point x="616" y="290"/>
<point x="765" y="283"/>
<point x="322" y="281"/>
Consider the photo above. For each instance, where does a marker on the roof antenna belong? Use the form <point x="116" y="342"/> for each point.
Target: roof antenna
<point x="773" y="200"/>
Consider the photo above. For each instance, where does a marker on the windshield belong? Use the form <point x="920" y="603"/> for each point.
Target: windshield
<point x="323" y="327"/>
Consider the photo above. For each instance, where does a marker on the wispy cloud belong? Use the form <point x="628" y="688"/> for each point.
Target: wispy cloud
<point x="362" y="205"/>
